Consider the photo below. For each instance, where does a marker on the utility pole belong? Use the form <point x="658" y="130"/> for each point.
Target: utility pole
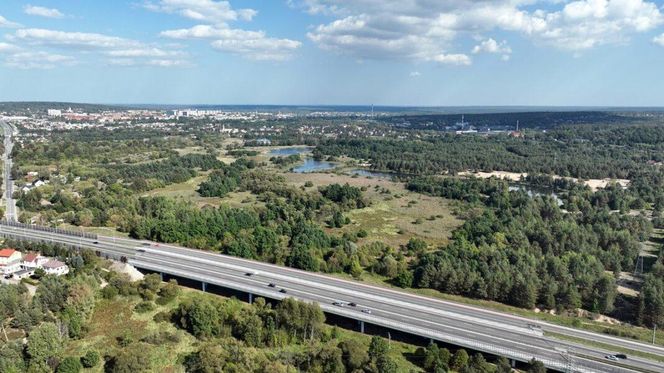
<point x="654" y="332"/>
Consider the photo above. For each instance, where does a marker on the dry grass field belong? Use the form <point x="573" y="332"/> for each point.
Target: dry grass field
<point x="395" y="214"/>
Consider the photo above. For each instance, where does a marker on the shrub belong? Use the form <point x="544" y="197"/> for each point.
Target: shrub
<point x="70" y="365"/>
<point x="109" y="292"/>
<point x="144" y="307"/>
<point x="90" y="359"/>
<point x="161" y="338"/>
<point x="163" y="316"/>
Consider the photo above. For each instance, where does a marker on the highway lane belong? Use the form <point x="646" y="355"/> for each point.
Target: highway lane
<point x="511" y="333"/>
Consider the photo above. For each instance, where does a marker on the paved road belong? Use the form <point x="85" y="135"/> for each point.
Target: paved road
<point x="459" y="324"/>
<point x="9" y="131"/>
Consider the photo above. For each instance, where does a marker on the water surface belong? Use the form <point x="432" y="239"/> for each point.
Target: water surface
<point x="291" y="150"/>
<point x="312" y="165"/>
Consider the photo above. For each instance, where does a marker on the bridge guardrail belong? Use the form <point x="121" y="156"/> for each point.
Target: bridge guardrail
<point x="68" y="232"/>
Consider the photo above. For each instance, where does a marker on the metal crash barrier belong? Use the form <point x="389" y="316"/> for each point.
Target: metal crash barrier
<point x="68" y="232"/>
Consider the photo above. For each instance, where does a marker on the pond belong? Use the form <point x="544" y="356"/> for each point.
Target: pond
<point x="312" y="165"/>
<point x="291" y="150"/>
<point x="533" y="192"/>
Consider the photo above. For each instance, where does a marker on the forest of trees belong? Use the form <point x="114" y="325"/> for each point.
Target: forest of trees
<point x="225" y="178"/>
<point x="581" y="152"/>
<point x="528" y="251"/>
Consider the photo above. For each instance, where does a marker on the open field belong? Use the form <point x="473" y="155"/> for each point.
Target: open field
<point x="395" y="214"/>
<point x="102" y="231"/>
<point x="190" y="150"/>
<point x="185" y="190"/>
<point x="188" y="191"/>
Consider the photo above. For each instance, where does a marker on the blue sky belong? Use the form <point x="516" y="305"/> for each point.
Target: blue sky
<point x="386" y="52"/>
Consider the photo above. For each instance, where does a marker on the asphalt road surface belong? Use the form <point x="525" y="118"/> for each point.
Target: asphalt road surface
<point x="467" y="326"/>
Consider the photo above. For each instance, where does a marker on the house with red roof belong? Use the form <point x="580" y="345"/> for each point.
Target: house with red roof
<point x="10" y="261"/>
<point x="33" y="261"/>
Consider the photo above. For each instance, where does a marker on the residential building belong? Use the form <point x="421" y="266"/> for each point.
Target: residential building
<point x="33" y="261"/>
<point x="55" y="267"/>
<point x="23" y="273"/>
<point x="10" y="261"/>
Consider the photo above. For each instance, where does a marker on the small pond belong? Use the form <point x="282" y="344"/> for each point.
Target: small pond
<point x="312" y="165"/>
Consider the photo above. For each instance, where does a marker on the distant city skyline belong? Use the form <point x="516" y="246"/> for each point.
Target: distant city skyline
<point x="334" y="52"/>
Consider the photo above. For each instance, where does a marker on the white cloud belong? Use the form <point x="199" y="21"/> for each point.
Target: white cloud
<point x="117" y="48"/>
<point x="215" y="12"/>
<point x="72" y="39"/>
<point x="144" y="52"/>
<point x="6" y="47"/>
<point x="452" y="59"/>
<point x="659" y="40"/>
<point x="214" y="17"/>
<point x="42" y="11"/>
<point x="167" y="63"/>
<point x="4" y="22"/>
<point x="259" y="49"/>
<point x="38" y="60"/>
<point x="150" y="62"/>
<point x="251" y="44"/>
<point x="414" y="74"/>
<point x="491" y="46"/>
<point x="425" y="29"/>
<point x="211" y="32"/>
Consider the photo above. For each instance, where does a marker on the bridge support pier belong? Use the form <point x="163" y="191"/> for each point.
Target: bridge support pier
<point x="251" y="298"/>
<point x="161" y="276"/>
<point x="204" y="286"/>
<point x="513" y="363"/>
<point x="361" y="326"/>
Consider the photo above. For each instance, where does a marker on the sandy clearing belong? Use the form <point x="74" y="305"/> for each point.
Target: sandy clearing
<point x="594" y="184"/>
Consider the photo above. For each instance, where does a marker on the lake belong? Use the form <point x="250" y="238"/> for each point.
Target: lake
<point x="312" y="165"/>
<point x="291" y="150"/>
